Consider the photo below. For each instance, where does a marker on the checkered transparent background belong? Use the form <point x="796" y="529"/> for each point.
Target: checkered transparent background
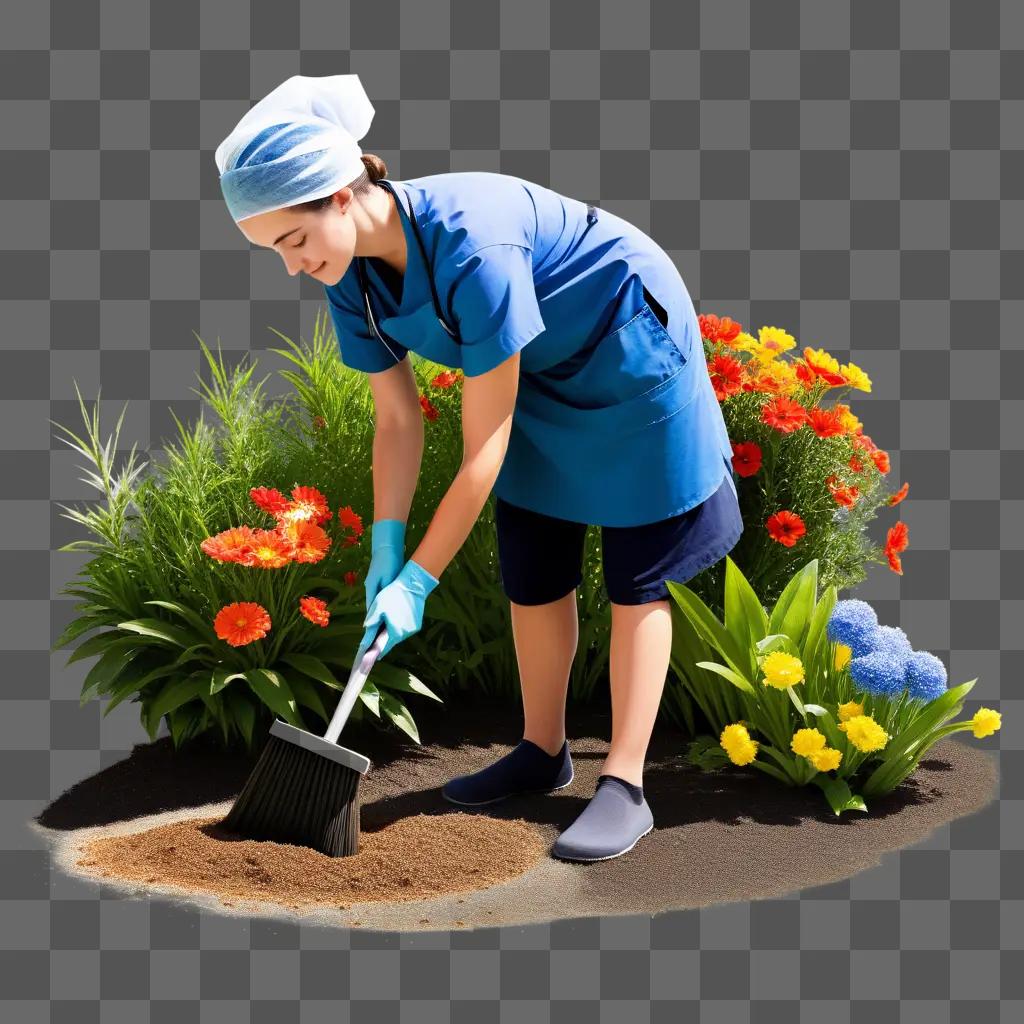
<point x="851" y="172"/>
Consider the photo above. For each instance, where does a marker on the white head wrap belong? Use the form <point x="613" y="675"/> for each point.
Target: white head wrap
<point x="296" y="144"/>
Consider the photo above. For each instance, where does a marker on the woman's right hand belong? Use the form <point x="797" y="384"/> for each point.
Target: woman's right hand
<point x="387" y="556"/>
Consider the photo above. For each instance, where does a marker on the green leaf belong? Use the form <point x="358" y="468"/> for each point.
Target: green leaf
<point x="159" y="630"/>
<point x="817" y="630"/>
<point x="244" y="714"/>
<point x="101" y="642"/>
<point x="205" y="628"/>
<point x="175" y="694"/>
<point x="306" y="693"/>
<point x="706" y="624"/>
<point x="82" y="624"/>
<point x="838" y="794"/>
<point x="797" y="703"/>
<point x="129" y="683"/>
<point x="221" y="677"/>
<point x="371" y="696"/>
<point x="395" y="678"/>
<point x="104" y="673"/>
<point x="734" y="677"/>
<point x="792" y="611"/>
<point x="399" y="714"/>
<point x="745" y="619"/>
<point x="312" y="667"/>
<point x="272" y="689"/>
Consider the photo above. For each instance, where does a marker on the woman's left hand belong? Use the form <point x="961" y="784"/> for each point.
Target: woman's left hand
<point x="400" y="606"/>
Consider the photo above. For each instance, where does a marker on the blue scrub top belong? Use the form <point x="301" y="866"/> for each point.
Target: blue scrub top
<point x="610" y="348"/>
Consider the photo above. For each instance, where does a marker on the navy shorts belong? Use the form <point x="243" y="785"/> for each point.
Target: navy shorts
<point x="541" y="557"/>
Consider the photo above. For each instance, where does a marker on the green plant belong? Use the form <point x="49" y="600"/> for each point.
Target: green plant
<point x="743" y="673"/>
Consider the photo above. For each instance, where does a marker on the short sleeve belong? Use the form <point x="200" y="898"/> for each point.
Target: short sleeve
<point x="359" y="349"/>
<point x="495" y="304"/>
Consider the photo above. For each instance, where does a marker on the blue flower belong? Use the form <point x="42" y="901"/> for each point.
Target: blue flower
<point x="851" y="623"/>
<point x="879" y="673"/>
<point x="926" y="676"/>
<point x="892" y="640"/>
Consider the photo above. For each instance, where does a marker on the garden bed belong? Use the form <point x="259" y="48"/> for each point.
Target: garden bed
<point x="149" y="825"/>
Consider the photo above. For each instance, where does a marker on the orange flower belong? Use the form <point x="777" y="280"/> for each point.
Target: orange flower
<point x="348" y="517"/>
<point x="881" y="459"/>
<point x="428" y="408"/>
<point x="242" y="622"/>
<point x="784" y="414"/>
<point x="785" y="527"/>
<point x="746" y="457"/>
<point x="351" y="578"/>
<point x="232" y="545"/>
<point x="896" y="498"/>
<point x="855" y="464"/>
<point x="825" y="422"/>
<point x="308" y="542"/>
<point x="270" y="499"/>
<point x="269" y="550"/>
<point x="308" y="504"/>
<point x="315" y="609"/>
<point x="726" y="376"/>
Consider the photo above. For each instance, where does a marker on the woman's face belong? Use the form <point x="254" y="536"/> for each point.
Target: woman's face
<point x="321" y="244"/>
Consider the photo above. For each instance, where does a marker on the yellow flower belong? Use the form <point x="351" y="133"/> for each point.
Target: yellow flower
<point x="826" y="760"/>
<point x="849" y="422"/>
<point x="807" y="741"/>
<point x="864" y="733"/>
<point x="781" y="670"/>
<point x="821" y="358"/>
<point x="843" y="654"/>
<point x="736" y="742"/>
<point x="985" y="722"/>
<point x="850" y="710"/>
<point x="856" y="376"/>
<point x="744" y="342"/>
<point x="773" y="341"/>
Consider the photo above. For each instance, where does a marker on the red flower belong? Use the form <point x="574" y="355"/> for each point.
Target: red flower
<point x="784" y="414"/>
<point x="351" y="519"/>
<point x="896" y="498"/>
<point x="881" y="459"/>
<point x="242" y="622"/>
<point x="351" y="578"/>
<point x="896" y="540"/>
<point x="785" y="527"/>
<point x="726" y="376"/>
<point x="723" y="330"/>
<point x="825" y="422"/>
<point x="270" y="499"/>
<point x="319" y="422"/>
<point x="315" y="609"/>
<point x="445" y="379"/>
<point x="746" y="457"/>
<point x="428" y="408"/>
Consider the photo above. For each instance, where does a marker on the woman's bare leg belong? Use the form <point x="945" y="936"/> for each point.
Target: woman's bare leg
<point x="545" y="637"/>
<point x="638" y="664"/>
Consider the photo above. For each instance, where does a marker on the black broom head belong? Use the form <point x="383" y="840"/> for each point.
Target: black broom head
<point x="304" y="790"/>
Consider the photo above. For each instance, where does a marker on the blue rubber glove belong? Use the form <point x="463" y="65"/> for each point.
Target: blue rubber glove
<point x="387" y="553"/>
<point x="400" y="606"/>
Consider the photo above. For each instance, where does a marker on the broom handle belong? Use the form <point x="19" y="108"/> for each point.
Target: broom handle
<point x="355" y="685"/>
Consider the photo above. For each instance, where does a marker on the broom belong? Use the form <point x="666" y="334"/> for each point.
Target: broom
<point x="304" y="788"/>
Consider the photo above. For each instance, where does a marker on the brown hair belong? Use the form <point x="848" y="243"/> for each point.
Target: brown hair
<point x="375" y="169"/>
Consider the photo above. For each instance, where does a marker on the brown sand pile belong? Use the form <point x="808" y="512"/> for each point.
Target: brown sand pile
<point x="413" y="858"/>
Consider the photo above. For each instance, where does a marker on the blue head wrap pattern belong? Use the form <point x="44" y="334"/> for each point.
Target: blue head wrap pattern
<point x="300" y="142"/>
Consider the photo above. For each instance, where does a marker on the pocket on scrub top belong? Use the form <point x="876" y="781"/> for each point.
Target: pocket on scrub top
<point x="635" y="356"/>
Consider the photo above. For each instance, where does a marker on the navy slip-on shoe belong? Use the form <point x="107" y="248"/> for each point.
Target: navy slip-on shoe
<point x="527" y="768"/>
<point x="609" y="825"/>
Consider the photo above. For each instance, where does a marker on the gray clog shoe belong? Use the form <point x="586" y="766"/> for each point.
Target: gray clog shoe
<point x="609" y="825"/>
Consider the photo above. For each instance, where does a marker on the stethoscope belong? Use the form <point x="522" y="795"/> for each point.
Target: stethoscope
<point x="371" y="321"/>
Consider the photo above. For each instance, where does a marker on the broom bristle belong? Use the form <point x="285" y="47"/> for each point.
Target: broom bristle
<point x="296" y="795"/>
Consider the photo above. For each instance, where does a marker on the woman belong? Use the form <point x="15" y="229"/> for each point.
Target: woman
<point x="586" y="400"/>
